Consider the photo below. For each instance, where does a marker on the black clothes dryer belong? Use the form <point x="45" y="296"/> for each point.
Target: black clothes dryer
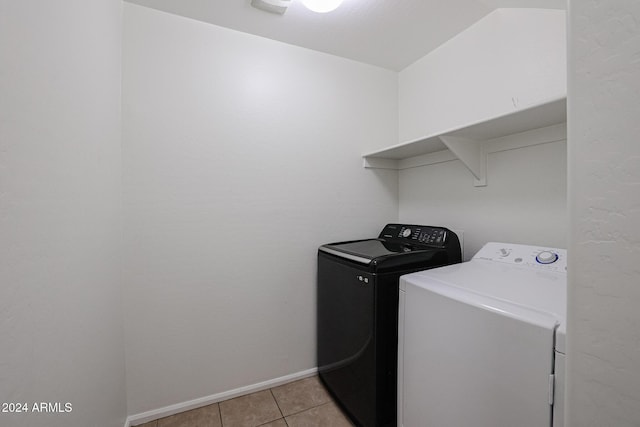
<point x="358" y="314"/>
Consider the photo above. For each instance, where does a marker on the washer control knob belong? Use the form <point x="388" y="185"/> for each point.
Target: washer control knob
<point x="547" y="257"/>
<point x="406" y="232"/>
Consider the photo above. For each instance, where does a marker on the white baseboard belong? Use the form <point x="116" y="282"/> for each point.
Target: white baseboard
<point x="133" y="420"/>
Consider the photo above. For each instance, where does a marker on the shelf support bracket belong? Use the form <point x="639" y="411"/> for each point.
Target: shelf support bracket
<point x="377" y="163"/>
<point x="472" y="154"/>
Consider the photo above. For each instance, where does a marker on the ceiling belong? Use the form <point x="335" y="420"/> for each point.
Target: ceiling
<point x="388" y="33"/>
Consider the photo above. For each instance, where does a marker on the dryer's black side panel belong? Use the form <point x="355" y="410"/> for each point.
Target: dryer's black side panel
<point x="346" y="337"/>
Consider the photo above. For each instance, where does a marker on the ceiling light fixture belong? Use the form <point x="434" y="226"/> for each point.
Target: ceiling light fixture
<point x="273" y="6"/>
<point x="321" y="6"/>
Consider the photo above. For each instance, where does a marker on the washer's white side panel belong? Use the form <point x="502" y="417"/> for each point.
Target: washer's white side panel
<point x="466" y="365"/>
<point x="401" y="307"/>
<point x="558" y="400"/>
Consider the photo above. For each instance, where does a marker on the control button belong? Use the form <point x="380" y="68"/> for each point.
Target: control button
<point x="547" y="257"/>
<point x="406" y="232"/>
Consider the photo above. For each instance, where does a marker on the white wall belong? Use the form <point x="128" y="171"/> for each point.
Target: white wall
<point x="241" y="157"/>
<point x="61" y="334"/>
<point x="511" y="58"/>
<point x="524" y="201"/>
<point x="604" y="205"/>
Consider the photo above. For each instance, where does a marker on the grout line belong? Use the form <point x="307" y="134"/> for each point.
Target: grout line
<point x="269" y="422"/>
<point x="276" y="400"/>
<point x="311" y="407"/>
<point x="278" y="405"/>
<point x="219" y="413"/>
<point x="322" y="404"/>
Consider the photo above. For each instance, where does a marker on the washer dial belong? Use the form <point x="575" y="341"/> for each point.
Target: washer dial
<point x="547" y="257"/>
<point x="406" y="232"/>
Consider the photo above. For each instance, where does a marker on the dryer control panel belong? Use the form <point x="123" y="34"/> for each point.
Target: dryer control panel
<point x="536" y="257"/>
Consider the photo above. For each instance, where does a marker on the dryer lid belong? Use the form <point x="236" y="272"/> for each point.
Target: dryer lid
<point x="372" y="248"/>
<point x="375" y="251"/>
<point x="512" y="282"/>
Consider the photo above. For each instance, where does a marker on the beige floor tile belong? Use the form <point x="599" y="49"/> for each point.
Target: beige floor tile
<point x="277" y="423"/>
<point x="250" y="410"/>
<point x="207" y="416"/>
<point x="149" y="424"/>
<point x="300" y="395"/>
<point x="327" y="415"/>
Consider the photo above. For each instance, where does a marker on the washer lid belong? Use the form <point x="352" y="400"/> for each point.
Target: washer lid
<point x="519" y="289"/>
<point x="372" y="248"/>
<point x="378" y="251"/>
<point x="511" y="309"/>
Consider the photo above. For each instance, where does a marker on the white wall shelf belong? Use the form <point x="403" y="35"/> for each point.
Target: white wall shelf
<point x="468" y="143"/>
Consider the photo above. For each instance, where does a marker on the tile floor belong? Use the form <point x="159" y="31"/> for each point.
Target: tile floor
<point x="302" y="403"/>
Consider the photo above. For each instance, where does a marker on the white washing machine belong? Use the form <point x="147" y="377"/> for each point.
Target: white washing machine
<point x="482" y="343"/>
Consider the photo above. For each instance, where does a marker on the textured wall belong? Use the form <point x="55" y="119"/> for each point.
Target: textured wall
<point x="604" y="201"/>
<point x="61" y="334"/>
<point x="241" y="157"/>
